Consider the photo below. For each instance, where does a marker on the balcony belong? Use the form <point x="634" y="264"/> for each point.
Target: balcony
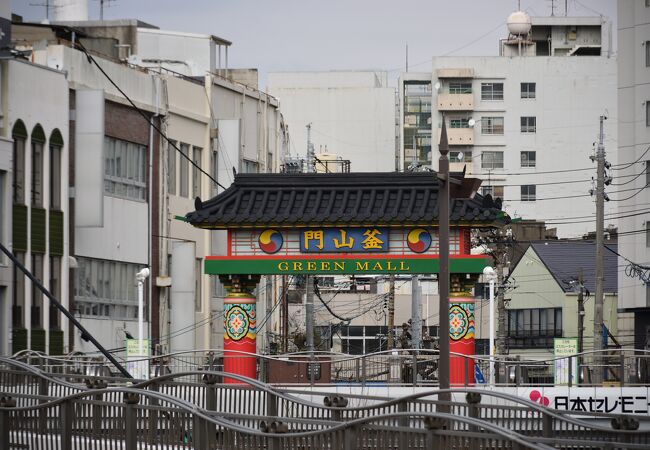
<point x="455" y="102"/>
<point x="459" y="136"/>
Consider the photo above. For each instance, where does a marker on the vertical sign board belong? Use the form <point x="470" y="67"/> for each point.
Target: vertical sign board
<point x="136" y="364"/>
<point x="563" y="348"/>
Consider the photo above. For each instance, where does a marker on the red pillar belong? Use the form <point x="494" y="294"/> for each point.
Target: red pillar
<point x="240" y="331"/>
<point x="461" y="339"/>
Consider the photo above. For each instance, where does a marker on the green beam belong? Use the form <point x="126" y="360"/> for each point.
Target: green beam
<point x="292" y="266"/>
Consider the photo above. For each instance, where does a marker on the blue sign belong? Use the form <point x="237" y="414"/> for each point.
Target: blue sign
<point x="344" y="240"/>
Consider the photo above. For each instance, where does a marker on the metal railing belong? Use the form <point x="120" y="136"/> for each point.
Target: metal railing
<point x="47" y="410"/>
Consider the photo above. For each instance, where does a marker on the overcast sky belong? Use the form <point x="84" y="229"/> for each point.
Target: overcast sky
<point x="287" y="35"/>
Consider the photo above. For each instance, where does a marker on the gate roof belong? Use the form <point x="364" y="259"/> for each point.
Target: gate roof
<point x="343" y="199"/>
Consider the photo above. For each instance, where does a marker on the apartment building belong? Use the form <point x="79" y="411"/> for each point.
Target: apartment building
<point x="525" y="121"/>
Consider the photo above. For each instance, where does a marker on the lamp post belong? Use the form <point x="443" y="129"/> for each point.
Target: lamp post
<point x="140" y="277"/>
<point x="490" y="274"/>
<point x="443" y="227"/>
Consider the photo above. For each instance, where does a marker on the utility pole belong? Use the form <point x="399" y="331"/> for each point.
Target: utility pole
<point x="502" y="333"/>
<point x="311" y="156"/>
<point x="416" y="306"/>
<point x="269" y="309"/>
<point x="581" y="314"/>
<point x="391" y="312"/>
<point x="600" y="241"/>
<point x="309" y="314"/>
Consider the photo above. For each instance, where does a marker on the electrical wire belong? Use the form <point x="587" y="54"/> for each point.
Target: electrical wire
<point x="92" y="60"/>
<point x="631" y="196"/>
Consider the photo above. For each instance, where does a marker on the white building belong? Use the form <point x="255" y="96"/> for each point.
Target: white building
<point x="352" y="115"/>
<point x="525" y="121"/>
<point x="634" y="157"/>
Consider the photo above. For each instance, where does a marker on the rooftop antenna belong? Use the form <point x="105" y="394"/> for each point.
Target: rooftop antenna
<point x="407" y="56"/>
<point x="48" y="7"/>
<point x="104" y="4"/>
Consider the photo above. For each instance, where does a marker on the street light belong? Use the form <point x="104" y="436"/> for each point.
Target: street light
<point x="490" y="275"/>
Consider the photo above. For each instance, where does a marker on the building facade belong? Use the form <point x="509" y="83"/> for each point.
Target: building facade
<point x="352" y="116"/>
<point x="634" y="158"/>
<point x="521" y="121"/>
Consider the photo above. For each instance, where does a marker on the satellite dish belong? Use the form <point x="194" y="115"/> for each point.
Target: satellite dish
<point x="460" y="156"/>
<point x="471" y="122"/>
<point x="437" y="85"/>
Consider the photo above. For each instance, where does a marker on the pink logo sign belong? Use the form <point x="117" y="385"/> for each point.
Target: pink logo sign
<point x="537" y="397"/>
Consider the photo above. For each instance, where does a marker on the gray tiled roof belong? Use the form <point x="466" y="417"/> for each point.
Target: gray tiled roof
<point x="335" y="199"/>
<point x="564" y="259"/>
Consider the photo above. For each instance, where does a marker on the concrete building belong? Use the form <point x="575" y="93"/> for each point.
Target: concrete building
<point x="352" y="115"/>
<point x="34" y="208"/>
<point x="634" y="158"/>
<point x="517" y="120"/>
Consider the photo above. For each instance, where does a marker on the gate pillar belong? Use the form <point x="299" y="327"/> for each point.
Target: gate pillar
<point x="461" y="333"/>
<point x="240" y="326"/>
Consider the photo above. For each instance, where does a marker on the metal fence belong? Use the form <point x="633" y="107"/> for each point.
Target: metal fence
<point x="193" y="409"/>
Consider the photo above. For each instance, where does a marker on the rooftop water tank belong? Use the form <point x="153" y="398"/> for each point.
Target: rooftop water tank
<point x="519" y="23"/>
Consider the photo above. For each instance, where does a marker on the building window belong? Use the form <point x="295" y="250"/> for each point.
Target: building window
<point x="492" y="160"/>
<point x="528" y="90"/>
<point x="647" y="113"/>
<point x="534" y="328"/>
<point x="197" y="285"/>
<point x="494" y="191"/>
<point x="38" y="141"/>
<point x="460" y="87"/>
<point x="528" y="124"/>
<point x="19" y="135"/>
<point x="125" y="169"/>
<point x="18" y="302"/>
<point x="528" y="193"/>
<point x="37" y="295"/>
<point x="459" y="123"/>
<point x="55" y="177"/>
<point x="491" y="91"/>
<point x="55" y="290"/>
<point x="250" y="166"/>
<point x="492" y="125"/>
<point x="196" y="173"/>
<point x="184" y="171"/>
<point x="417" y="123"/>
<point x="528" y="159"/>
<point x="171" y="167"/>
<point x="106" y="288"/>
<point x="459" y="156"/>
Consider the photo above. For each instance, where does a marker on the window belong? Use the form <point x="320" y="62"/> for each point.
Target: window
<point x="249" y="166"/>
<point x="492" y="125"/>
<point x="528" y="90"/>
<point x="647" y="113"/>
<point x="492" y="160"/>
<point x="197" y="285"/>
<point x="494" y="191"/>
<point x="528" y="159"/>
<point x="19" y="135"/>
<point x="460" y="87"/>
<point x="196" y="173"/>
<point x="37" y="295"/>
<point x="18" y="302"/>
<point x="171" y="168"/>
<point x="55" y="290"/>
<point x="464" y="155"/>
<point x="534" y="328"/>
<point x="184" y="171"/>
<point x="37" y="172"/>
<point x="459" y="123"/>
<point x="106" y="288"/>
<point x="55" y="177"/>
<point x="528" y="124"/>
<point x="125" y="169"/>
<point x="528" y="193"/>
<point x="491" y="91"/>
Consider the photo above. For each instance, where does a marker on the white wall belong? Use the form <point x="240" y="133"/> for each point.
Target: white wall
<point x="188" y="54"/>
<point x="633" y="93"/>
<point x="352" y="114"/>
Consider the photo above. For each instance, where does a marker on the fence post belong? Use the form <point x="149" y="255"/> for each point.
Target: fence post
<point x="5" y="421"/>
<point x="473" y="399"/>
<point x="570" y="371"/>
<point x="363" y="371"/>
<point x="153" y="414"/>
<point x="350" y="438"/>
<point x="271" y="404"/>
<point x="67" y="417"/>
<point x="131" y="418"/>
<point x="403" y="421"/>
<point x="42" y="412"/>
<point x="414" y="369"/>
<point x="547" y="425"/>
